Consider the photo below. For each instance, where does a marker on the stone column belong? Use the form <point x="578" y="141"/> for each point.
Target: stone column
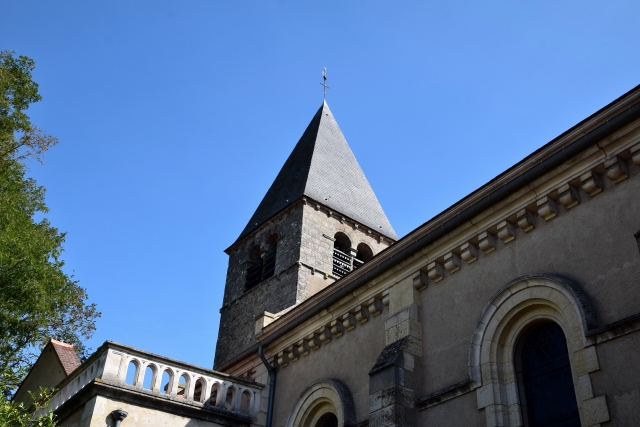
<point x="394" y="378"/>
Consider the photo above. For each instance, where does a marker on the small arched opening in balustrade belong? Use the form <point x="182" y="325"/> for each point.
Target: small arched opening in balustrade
<point x="245" y="402"/>
<point x="230" y="398"/>
<point x="165" y="385"/>
<point x="215" y="394"/>
<point x="132" y="372"/>
<point x="183" y="386"/>
<point x="149" y="377"/>
<point x="198" y="390"/>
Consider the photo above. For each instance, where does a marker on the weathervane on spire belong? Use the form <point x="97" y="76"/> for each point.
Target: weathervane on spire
<point x="324" y="83"/>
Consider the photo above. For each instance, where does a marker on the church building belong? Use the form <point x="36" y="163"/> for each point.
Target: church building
<point x="516" y="306"/>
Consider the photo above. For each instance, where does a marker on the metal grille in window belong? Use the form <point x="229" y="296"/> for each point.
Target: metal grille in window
<point x="341" y="263"/>
<point x="269" y="266"/>
<point x="357" y="263"/>
<point x="548" y="384"/>
<point x="254" y="275"/>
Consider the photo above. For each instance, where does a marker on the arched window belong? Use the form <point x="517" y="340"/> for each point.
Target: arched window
<point x="269" y="262"/>
<point x="328" y="420"/>
<point x="545" y="383"/>
<point x="363" y="255"/>
<point x="342" y="243"/>
<point x="254" y="271"/>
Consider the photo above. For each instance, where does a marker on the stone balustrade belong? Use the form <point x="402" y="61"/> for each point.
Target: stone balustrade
<point x="128" y="368"/>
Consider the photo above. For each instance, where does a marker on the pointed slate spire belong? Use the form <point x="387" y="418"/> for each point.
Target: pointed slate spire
<point x="322" y="167"/>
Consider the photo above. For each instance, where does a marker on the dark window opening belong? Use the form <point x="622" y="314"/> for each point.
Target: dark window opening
<point x="262" y="267"/>
<point x="254" y="271"/>
<point x="637" y="236"/>
<point x="342" y="259"/>
<point x="327" y="420"/>
<point x="544" y="378"/>
<point x="363" y="255"/>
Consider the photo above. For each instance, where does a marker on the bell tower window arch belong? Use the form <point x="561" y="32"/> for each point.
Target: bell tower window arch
<point x="262" y="262"/>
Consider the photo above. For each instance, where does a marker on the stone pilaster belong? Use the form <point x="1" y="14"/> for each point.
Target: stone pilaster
<point x="393" y="379"/>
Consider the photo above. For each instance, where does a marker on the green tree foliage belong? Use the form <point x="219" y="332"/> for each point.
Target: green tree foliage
<point x="38" y="300"/>
<point x="14" y="414"/>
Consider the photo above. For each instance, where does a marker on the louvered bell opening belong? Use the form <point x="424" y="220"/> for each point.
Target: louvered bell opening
<point x="269" y="264"/>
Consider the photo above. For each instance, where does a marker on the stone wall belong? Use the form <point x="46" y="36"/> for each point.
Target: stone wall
<point x="97" y="413"/>
<point x="304" y="263"/>
<point x="319" y="226"/>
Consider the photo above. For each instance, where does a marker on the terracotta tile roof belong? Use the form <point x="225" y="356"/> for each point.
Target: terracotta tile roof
<point x="67" y="356"/>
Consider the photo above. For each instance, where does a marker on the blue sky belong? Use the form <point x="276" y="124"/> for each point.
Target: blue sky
<point x="175" y="117"/>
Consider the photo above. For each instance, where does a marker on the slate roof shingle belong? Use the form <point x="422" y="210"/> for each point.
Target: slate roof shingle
<point x="323" y="167"/>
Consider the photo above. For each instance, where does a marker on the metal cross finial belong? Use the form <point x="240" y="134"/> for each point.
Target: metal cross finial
<point x="324" y="83"/>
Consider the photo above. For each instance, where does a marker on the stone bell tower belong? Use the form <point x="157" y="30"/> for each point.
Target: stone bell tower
<point x="319" y="220"/>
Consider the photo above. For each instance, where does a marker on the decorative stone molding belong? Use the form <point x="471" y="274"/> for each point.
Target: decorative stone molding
<point x="362" y="313"/>
<point x="348" y="321"/>
<point x="303" y="347"/>
<point x="617" y="170"/>
<point x="506" y="231"/>
<point x="452" y="262"/>
<point x="324" y="334"/>
<point x="313" y="340"/>
<point x="322" y="397"/>
<point x="525" y="220"/>
<point x="336" y="328"/>
<point x="510" y="311"/>
<point x="469" y="252"/>
<point x="547" y="208"/>
<point x="293" y="353"/>
<point x="435" y="271"/>
<point x="486" y="242"/>
<point x="568" y="195"/>
<point x="375" y="306"/>
<point x="283" y="359"/>
<point x="591" y="183"/>
<point x="421" y="280"/>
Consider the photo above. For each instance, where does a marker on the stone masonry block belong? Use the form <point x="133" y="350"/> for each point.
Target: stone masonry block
<point x="410" y="312"/>
<point x="393" y="416"/>
<point x="594" y="411"/>
<point x="403" y="294"/>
